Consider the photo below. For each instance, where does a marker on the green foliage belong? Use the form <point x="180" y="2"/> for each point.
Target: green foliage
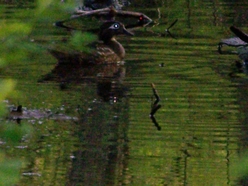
<point x="13" y="133"/>
<point x="240" y="168"/>
<point x="6" y="86"/>
<point x="15" y="47"/>
<point x="9" y="167"/>
<point x="42" y="6"/>
<point x="9" y="170"/>
<point x="80" y="41"/>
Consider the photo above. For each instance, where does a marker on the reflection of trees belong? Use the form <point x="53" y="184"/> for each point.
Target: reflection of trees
<point x="243" y="101"/>
<point x="102" y="129"/>
<point x="242" y="38"/>
<point x="220" y="13"/>
<point x="101" y="158"/>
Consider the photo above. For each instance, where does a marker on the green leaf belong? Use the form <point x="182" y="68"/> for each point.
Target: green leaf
<point x="6" y="86"/>
<point x="9" y="171"/>
<point x="80" y="40"/>
<point x="42" y="6"/>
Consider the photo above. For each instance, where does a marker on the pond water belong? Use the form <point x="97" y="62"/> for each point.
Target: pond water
<point x="202" y="117"/>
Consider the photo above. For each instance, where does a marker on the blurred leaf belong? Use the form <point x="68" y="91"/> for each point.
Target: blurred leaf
<point x="2" y="62"/>
<point x="6" y="86"/>
<point x="80" y="40"/>
<point x="14" y="29"/>
<point x="42" y="5"/>
<point x="240" y="168"/>
<point x="12" y="133"/>
<point x="16" y="45"/>
<point x="9" y="171"/>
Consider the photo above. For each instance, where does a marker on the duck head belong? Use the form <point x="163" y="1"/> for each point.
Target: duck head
<point x="112" y="28"/>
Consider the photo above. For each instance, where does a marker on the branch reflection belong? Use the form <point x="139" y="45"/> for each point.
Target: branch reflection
<point x="155" y="106"/>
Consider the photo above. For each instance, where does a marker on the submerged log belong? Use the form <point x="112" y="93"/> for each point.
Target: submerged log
<point x="107" y="11"/>
<point x="240" y="40"/>
<point x="110" y="14"/>
<point x="232" y="42"/>
<point x="243" y="36"/>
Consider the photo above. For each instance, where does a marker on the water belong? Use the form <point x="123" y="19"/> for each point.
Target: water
<point x="202" y="118"/>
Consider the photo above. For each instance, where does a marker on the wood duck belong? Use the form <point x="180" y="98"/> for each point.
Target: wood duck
<point x="108" y="49"/>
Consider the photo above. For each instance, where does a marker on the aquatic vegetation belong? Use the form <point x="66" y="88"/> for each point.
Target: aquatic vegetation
<point x="15" y="47"/>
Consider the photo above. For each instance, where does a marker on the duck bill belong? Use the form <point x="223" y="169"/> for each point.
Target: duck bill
<point x="126" y="32"/>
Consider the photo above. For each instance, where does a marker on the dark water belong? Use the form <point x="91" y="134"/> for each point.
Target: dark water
<point x="203" y="116"/>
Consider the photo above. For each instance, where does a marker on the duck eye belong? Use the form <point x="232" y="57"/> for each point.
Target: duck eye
<point x="115" y="26"/>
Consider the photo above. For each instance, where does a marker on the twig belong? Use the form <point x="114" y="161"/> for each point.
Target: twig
<point x="155" y="107"/>
<point x="155" y="122"/>
<point x="83" y="13"/>
<point x="172" y="24"/>
<point x="168" y="29"/>
<point x="155" y="94"/>
<point x="159" y="13"/>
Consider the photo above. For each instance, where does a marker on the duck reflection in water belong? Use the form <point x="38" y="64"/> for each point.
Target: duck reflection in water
<point x="105" y="64"/>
